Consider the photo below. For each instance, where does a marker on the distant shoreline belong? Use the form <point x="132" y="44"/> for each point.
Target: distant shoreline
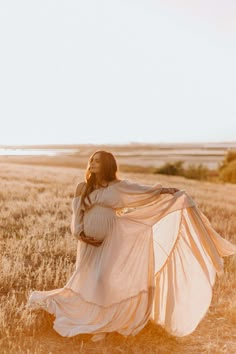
<point x="130" y="157"/>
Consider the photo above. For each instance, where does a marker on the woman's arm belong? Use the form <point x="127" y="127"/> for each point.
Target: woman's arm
<point x="77" y="216"/>
<point x="79" y="189"/>
<point x="134" y="195"/>
<point x="90" y="240"/>
<point x="77" y="226"/>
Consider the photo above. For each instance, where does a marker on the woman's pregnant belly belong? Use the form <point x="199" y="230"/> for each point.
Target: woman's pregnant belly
<point x="99" y="221"/>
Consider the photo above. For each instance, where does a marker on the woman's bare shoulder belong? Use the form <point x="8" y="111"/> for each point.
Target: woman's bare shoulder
<point x="79" y="188"/>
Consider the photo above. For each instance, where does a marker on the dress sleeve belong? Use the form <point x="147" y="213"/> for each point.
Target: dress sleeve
<point x="145" y="203"/>
<point x="77" y="225"/>
<point x="133" y="194"/>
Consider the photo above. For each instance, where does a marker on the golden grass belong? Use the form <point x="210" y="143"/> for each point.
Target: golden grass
<point x="38" y="252"/>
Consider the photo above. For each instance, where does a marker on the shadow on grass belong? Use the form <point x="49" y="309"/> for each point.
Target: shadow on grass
<point x="152" y="339"/>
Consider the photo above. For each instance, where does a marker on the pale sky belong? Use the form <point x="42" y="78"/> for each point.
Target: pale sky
<point x="110" y="71"/>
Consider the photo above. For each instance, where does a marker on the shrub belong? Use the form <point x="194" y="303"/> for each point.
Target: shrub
<point x="171" y="168"/>
<point x="228" y="173"/>
<point x="199" y="172"/>
<point x="229" y="157"/>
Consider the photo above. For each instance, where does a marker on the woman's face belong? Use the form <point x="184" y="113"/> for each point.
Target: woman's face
<point x="95" y="163"/>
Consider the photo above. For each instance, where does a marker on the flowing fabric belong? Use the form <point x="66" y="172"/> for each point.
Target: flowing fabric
<point x="158" y="261"/>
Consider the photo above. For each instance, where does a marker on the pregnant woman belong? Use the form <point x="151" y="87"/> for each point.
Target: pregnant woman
<point x="144" y="253"/>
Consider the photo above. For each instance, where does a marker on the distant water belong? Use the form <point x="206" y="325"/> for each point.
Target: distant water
<point x="35" y="152"/>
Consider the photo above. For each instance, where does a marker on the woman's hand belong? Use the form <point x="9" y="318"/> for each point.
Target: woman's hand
<point x="169" y="190"/>
<point x="90" y="240"/>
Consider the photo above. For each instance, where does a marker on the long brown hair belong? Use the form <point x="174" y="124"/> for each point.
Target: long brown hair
<point x="108" y="172"/>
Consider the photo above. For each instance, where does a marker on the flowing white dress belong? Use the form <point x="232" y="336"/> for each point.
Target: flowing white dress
<point x="158" y="261"/>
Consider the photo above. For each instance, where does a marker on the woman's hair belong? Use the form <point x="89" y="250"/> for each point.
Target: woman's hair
<point x="108" y="172"/>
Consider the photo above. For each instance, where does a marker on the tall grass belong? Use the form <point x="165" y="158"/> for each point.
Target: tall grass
<point x="38" y="252"/>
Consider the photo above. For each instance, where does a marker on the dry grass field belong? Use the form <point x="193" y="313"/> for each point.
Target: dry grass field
<point x="38" y="252"/>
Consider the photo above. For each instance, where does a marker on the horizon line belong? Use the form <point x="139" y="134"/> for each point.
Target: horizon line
<point x="120" y="143"/>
